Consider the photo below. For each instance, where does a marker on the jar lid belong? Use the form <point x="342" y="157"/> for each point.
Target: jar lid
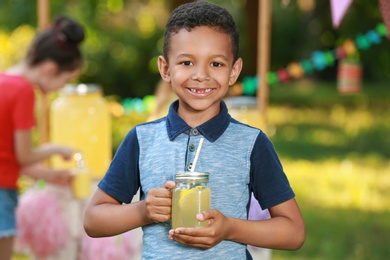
<point x="79" y="89"/>
<point x="192" y="175"/>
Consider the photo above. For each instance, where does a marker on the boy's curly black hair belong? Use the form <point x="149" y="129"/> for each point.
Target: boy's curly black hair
<point x="194" y="14"/>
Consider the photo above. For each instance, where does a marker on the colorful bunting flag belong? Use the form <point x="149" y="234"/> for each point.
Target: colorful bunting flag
<point x="295" y="70"/>
<point x="283" y="75"/>
<point x="338" y="10"/>
<point x="319" y="60"/>
<point x="362" y="42"/>
<point x="373" y="37"/>
<point x="349" y="47"/>
<point x="306" y="66"/>
<point x="272" y="78"/>
<point x="340" y="52"/>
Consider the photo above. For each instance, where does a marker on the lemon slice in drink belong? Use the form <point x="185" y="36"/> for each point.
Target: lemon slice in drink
<point x="189" y="196"/>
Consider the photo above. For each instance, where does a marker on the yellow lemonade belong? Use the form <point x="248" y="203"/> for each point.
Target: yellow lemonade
<point x="187" y="203"/>
<point x="80" y="118"/>
<point x="81" y="184"/>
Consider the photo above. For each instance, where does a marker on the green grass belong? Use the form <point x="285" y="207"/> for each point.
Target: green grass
<point x="346" y="207"/>
<point x="336" y="152"/>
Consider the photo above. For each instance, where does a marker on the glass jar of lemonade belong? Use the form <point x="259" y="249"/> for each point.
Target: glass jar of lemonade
<point x="80" y="118"/>
<point x="81" y="183"/>
<point x="244" y="109"/>
<point x="190" y="196"/>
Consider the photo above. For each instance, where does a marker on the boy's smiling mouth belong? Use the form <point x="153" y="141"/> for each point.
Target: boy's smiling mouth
<point x="200" y="91"/>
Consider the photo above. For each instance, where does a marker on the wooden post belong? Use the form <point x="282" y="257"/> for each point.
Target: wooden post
<point x="73" y="208"/>
<point x="43" y="22"/>
<point x="43" y="14"/>
<point x="263" y="59"/>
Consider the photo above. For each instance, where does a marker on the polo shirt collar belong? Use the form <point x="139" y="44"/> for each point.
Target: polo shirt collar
<point x="211" y="129"/>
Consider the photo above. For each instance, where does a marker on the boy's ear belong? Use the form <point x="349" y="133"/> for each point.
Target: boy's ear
<point x="236" y="70"/>
<point x="163" y="68"/>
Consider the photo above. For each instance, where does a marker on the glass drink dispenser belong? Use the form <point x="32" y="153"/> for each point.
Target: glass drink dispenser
<point x="79" y="117"/>
<point x="245" y="110"/>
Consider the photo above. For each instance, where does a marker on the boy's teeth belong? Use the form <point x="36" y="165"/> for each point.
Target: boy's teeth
<point x="206" y="90"/>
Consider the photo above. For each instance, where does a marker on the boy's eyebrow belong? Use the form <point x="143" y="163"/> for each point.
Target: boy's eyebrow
<point x="185" y="55"/>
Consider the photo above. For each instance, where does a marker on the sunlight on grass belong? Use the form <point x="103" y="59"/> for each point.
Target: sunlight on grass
<point x="18" y="256"/>
<point x="335" y="150"/>
<point x="340" y="185"/>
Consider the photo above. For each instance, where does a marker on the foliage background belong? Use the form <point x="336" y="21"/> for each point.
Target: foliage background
<point x="124" y="37"/>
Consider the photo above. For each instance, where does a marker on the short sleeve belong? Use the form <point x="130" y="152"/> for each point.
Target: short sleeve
<point x="23" y="113"/>
<point x="269" y="183"/>
<point x="121" y="180"/>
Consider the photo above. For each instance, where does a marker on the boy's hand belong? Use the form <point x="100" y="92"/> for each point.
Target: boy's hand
<point x="158" y="203"/>
<point x="203" y="237"/>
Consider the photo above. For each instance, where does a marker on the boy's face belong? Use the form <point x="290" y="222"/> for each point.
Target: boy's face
<point x="200" y="69"/>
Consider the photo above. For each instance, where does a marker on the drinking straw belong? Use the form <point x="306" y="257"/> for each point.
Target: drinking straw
<point x="197" y="154"/>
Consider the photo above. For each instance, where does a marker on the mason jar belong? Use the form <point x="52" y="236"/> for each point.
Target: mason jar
<point x="80" y="118"/>
<point x="190" y="196"/>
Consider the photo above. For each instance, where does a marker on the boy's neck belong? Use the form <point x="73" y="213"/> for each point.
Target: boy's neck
<point x="195" y="118"/>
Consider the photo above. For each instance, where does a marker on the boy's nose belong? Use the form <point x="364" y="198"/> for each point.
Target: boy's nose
<point x="200" y="74"/>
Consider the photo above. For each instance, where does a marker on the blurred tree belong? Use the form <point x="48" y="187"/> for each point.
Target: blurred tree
<point x="124" y="37"/>
<point x="14" y="45"/>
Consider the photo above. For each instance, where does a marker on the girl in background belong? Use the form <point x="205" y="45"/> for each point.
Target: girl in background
<point x="53" y="59"/>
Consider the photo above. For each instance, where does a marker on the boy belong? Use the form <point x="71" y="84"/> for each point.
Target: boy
<point x="200" y="61"/>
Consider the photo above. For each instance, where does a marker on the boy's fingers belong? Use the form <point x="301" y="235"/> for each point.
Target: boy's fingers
<point x="169" y="185"/>
<point x="206" y="215"/>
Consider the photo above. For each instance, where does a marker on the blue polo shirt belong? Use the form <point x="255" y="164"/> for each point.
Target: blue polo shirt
<point x="239" y="158"/>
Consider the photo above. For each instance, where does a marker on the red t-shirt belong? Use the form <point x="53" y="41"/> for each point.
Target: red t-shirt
<point x="17" y="100"/>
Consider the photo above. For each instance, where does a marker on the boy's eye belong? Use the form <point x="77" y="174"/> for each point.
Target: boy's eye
<point x="186" y="63"/>
<point x="216" y="64"/>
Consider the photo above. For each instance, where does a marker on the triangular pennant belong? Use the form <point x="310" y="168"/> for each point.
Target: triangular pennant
<point x="385" y="11"/>
<point x="338" y="10"/>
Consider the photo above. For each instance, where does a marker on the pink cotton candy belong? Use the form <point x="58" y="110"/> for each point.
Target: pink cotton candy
<point x="41" y="223"/>
<point x="108" y="248"/>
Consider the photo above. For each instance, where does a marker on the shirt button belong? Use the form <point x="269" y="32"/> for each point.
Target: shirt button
<point x="192" y="147"/>
<point x="194" y="131"/>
